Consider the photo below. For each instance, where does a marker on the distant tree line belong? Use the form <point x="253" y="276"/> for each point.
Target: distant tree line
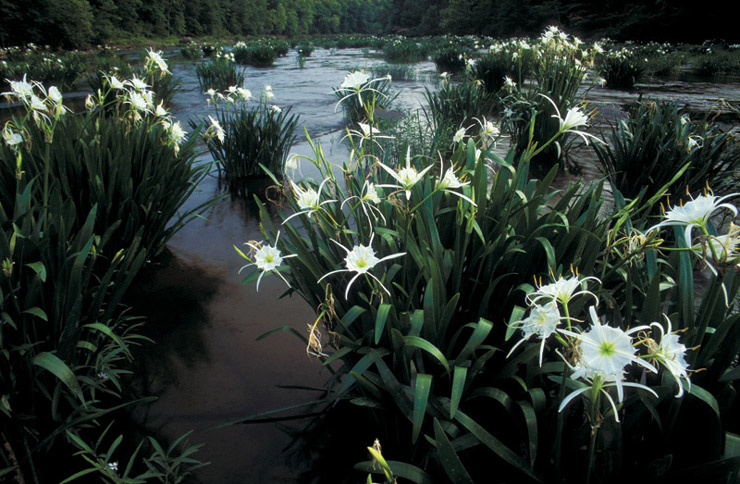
<point x="659" y="20"/>
<point x="81" y="23"/>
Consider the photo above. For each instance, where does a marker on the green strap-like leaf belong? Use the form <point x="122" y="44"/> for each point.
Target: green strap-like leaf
<point x="39" y="268"/>
<point x="52" y="363"/>
<point x="702" y="395"/>
<point x="495" y="445"/>
<point x="425" y="345"/>
<point x="482" y="329"/>
<point x="448" y="458"/>
<point x="530" y="418"/>
<point x="458" y="385"/>
<point x="400" y="469"/>
<point x="380" y="321"/>
<point x="38" y="312"/>
<point x="421" y="397"/>
<point x="732" y="445"/>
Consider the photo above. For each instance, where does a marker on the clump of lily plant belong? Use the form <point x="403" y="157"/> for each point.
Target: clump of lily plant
<point x="360" y="95"/>
<point x="247" y="138"/>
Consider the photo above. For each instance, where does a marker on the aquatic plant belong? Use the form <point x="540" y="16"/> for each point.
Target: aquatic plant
<point x="258" y="55"/>
<point x="404" y="51"/>
<point x="245" y="141"/>
<point x="359" y="96"/>
<point x="191" y="52"/>
<point x="219" y="73"/>
<point x="457" y="106"/>
<point x="63" y="70"/>
<point x="414" y="263"/>
<point x="512" y="60"/>
<point x="559" y="68"/>
<point x="304" y="50"/>
<point x="621" y="68"/>
<point x="86" y="200"/>
<point x="154" y="73"/>
<point x="451" y="59"/>
<point x="656" y="142"/>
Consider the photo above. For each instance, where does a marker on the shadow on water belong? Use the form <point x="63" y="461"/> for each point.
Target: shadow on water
<point x="172" y="295"/>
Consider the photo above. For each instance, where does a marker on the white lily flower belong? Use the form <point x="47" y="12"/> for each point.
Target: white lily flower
<point x="267" y="258"/>
<point x="671" y="354"/>
<point x="308" y="199"/>
<point x="604" y="352"/>
<point x="114" y="82"/>
<point x="355" y="83"/>
<point x="354" y="80"/>
<point x="360" y="260"/>
<point x="161" y="111"/>
<point x="11" y="138"/>
<point x="244" y="94"/>
<point x="291" y="163"/>
<point x="138" y="102"/>
<point x="54" y="95"/>
<point x="366" y="132"/>
<point x="407" y="177"/>
<point x="562" y="290"/>
<point x="459" y="135"/>
<point x="509" y="83"/>
<point x="90" y="102"/>
<point x="22" y="89"/>
<point x="217" y="130"/>
<point x="137" y="83"/>
<point x="155" y="58"/>
<point x="574" y="118"/>
<point x="695" y="213"/>
<point x="542" y="322"/>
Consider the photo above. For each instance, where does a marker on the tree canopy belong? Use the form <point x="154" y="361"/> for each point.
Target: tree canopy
<point x="82" y="23"/>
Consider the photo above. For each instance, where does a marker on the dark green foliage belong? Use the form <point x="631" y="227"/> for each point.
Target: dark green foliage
<point x="457" y="106"/>
<point x="219" y="73"/>
<point x="281" y="47"/>
<point x="621" y="69"/>
<point x="304" y="50"/>
<point x="450" y="59"/>
<point x="646" y="151"/>
<point x="62" y="70"/>
<point x="82" y="23"/>
<point x="494" y="67"/>
<point x="164" y="87"/>
<point x="83" y="205"/>
<point x="262" y="136"/>
<point x="132" y="176"/>
<point x="259" y="55"/>
<point x="191" y="52"/>
<point x="714" y="61"/>
<point x="404" y="50"/>
<point x="429" y="357"/>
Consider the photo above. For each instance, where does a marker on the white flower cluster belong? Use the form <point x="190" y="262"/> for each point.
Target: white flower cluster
<point x="137" y="100"/>
<point x="697" y="213"/>
<point x="44" y="106"/>
<point x="599" y="355"/>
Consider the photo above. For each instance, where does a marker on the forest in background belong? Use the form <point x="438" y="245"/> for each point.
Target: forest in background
<point x="85" y="23"/>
